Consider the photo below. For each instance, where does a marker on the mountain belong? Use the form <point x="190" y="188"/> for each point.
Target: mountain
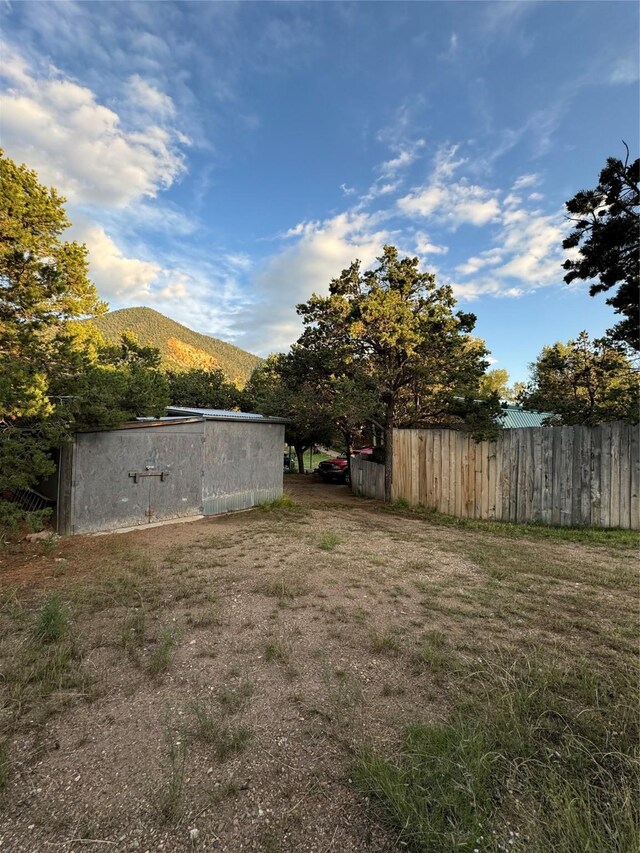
<point x="181" y="348"/>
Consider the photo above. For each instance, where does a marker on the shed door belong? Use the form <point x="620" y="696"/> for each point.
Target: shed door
<point x="135" y="476"/>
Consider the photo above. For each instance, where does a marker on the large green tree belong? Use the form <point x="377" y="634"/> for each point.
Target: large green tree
<point x="43" y="285"/>
<point x="203" y="388"/>
<point x="583" y="382"/>
<point x="607" y="235"/>
<point x="395" y="325"/>
<point x="276" y="389"/>
<point x="56" y="374"/>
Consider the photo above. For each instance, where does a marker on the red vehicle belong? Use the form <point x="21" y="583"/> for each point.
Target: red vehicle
<point x="337" y="470"/>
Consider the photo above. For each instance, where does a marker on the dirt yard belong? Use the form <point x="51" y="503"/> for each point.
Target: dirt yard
<point x="207" y="685"/>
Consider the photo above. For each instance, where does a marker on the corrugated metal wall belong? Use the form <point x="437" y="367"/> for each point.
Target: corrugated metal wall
<point x="242" y="465"/>
<point x="130" y="477"/>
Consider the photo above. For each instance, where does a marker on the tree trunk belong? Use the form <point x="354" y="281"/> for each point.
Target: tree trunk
<point x="300" y="454"/>
<point x="347" y="441"/>
<point x="388" y="455"/>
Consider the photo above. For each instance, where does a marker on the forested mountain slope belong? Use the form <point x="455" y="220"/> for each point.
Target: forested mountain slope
<point x="180" y="347"/>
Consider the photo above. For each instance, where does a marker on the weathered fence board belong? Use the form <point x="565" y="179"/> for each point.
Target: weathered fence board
<point x="367" y="478"/>
<point x="554" y="475"/>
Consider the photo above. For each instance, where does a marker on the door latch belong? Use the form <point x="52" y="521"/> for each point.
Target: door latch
<point x="138" y="474"/>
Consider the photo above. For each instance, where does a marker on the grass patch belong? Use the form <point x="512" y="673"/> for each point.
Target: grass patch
<point x="385" y="643"/>
<point x="47" y="668"/>
<point x="52" y="621"/>
<point x="207" y="726"/>
<point x="160" y="656"/>
<point x="284" y="502"/>
<point x="615" y="538"/>
<point x="284" y="586"/>
<point x="328" y="541"/>
<point x="277" y="650"/>
<point x="171" y="795"/>
<point x="433" y="653"/>
<point x="133" y="633"/>
<point x="234" y="698"/>
<point x="536" y="759"/>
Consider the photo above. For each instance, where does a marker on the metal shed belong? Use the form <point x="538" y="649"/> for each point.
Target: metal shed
<point x="194" y="462"/>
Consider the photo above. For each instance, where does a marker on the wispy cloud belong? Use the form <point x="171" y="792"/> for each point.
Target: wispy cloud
<point x="452" y="202"/>
<point x="320" y="252"/>
<point x="78" y="144"/>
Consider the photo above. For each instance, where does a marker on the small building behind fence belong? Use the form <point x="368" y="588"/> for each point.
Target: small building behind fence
<point x="194" y="462"/>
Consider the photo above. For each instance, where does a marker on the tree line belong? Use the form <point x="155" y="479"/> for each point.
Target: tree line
<point x="387" y="347"/>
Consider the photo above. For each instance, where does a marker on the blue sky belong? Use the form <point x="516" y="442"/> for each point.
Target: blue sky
<point x="223" y="161"/>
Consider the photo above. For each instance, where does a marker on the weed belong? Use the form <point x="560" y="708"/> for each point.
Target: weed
<point x="133" y="632"/>
<point x="231" y="740"/>
<point x="535" y="752"/>
<point x="4" y="768"/>
<point x="277" y="650"/>
<point x="225" y="790"/>
<point x="207" y="725"/>
<point x="391" y="690"/>
<point x="234" y="698"/>
<point x="160" y="657"/>
<point x="52" y="621"/>
<point x="286" y="586"/>
<point x="328" y="541"/>
<point x="433" y="652"/>
<point x="171" y="796"/>
<point x="385" y="643"/>
<point x="284" y="502"/>
<point x="609" y="537"/>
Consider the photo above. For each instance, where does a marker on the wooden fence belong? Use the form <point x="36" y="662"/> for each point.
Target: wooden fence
<point x="551" y="475"/>
<point x="367" y="478"/>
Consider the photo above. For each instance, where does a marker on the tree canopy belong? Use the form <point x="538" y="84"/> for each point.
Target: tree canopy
<point x="203" y="388"/>
<point x="584" y="382"/>
<point x="607" y="235"/>
<point x="393" y="330"/>
<point x="56" y="374"/>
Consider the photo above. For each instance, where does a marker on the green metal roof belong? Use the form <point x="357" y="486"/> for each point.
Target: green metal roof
<point x="515" y="417"/>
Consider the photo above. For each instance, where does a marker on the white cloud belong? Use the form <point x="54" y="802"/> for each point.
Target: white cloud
<point x="455" y="204"/>
<point x="149" y="99"/>
<point x="534" y="243"/>
<point x="424" y="246"/>
<point x="452" y="202"/>
<point x="115" y="275"/>
<point x="525" y="181"/>
<point x="625" y="70"/>
<point x="407" y="153"/>
<point x="79" y="145"/>
<point x="488" y="258"/>
<point x="512" y="200"/>
<point x="320" y="253"/>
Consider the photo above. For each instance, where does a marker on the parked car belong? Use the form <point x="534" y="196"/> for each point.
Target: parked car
<point x="337" y="470"/>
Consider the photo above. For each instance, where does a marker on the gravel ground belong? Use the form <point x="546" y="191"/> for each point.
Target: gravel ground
<point x="225" y="671"/>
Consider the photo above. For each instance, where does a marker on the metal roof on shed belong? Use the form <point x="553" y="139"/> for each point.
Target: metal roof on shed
<point x="515" y="417"/>
<point x="223" y="415"/>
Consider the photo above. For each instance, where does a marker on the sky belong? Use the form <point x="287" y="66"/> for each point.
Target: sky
<point x="224" y="161"/>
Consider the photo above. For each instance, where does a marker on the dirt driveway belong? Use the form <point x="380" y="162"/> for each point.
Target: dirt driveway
<point x="206" y="686"/>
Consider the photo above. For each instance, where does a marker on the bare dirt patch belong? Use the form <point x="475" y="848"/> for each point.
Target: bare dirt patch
<point x="209" y="682"/>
